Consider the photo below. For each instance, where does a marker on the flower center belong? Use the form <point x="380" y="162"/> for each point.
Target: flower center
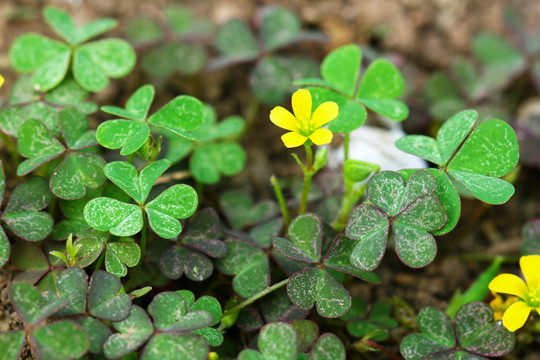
<point x="305" y="127"/>
<point x="534" y="298"/>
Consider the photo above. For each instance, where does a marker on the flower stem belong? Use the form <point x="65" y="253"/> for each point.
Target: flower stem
<point x="350" y="197"/>
<point x="255" y="297"/>
<point x="308" y="173"/>
<point x="281" y="200"/>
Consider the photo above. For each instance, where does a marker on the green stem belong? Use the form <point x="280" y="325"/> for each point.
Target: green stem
<point x="350" y="197"/>
<point x="255" y="297"/>
<point x="130" y="158"/>
<point x="99" y="261"/>
<point x="308" y="173"/>
<point x="346" y="142"/>
<point x="281" y="200"/>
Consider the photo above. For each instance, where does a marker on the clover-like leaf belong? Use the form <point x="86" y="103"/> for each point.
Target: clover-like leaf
<point x="182" y="115"/>
<point x="240" y="210"/>
<point x="307" y="287"/>
<point x="377" y="89"/>
<point x="474" y="334"/>
<point x="92" y="244"/>
<point x="327" y="344"/>
<point x="29" y="257"/>
<point x="117" y="217"/>
<point x="120" y="255"/>
<point x="411" y="211"/>
<point x="30" y="305"/>
<point x="125" y="134"/>
<point x="133" y="331"/>
<point x="361" y="323"/>
<point x="175" y="346"/>
<point x="22" y="214"/>
<point x="165" y="60"/>
<point x="97" y="333"/>
<point x="475" y="158"/>
<point x="72" y="285"/>
<point x="104" y="300"/>
<point x="5" y="247"/>
<point x="234" y="38"/>
<point x="279" y="26"/>
<point x="137" y="186"/>
<point x="250" y="266"/>
<point x="95" y="62"/>
<point x="307" y="331"/>
<point x="177" y="202"/>
<point x="171" y="313"/>
<point x="137" y="106"/>
<point x="12" y="344"/>
<point x="38" y="144"/>
<point x="75" y="173"/>
<point x="60" y="340"/>
<point x="210" y="161"/>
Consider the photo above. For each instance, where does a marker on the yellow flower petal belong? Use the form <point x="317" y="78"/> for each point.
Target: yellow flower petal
<point x="1" y="80"/>
<point x="283" y="118"/>
<point x="293" y="139"/>
<point x="325" y="113"/>
<point x="321" y="136"/>
<point x="301" y="104"/>
<point x="530" y="266"/>
<point x="515" y="316"/>
<point x="509" y="284"/>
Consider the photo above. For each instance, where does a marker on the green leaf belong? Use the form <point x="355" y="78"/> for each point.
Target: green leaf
<point x="29" y="52"/>
<point x="72" y="285"/>
<point x="307" y="287"/>
<point x="307" y="331"/>
<point x="479" y="334"/>
<point x="305" y="233"/>
<point x="38" y="144"/>
<point x="179" y="18"/>
<point x="30" y="305"/>
<point x="61" y="22"/>
<point x="382" y="80"/>
<point x="351" y="116"/>
<point x="170" y="313"/>
<point x="177" y="202"/>
<point x="125" y="134"/>
<point x="137" y="106"/>
<point x="210" y="161"/>
<point x="341" y="67"/>
<point x="52" y="72"/>
<point x="164" y="60"/>
<point x="60" y="340"/>
<point x="249" y="264"/>
<point x="235" y="39"/>
<point x="119" y="218"/>
<point x="22" y="214"/>
<point x="370" y="226"/>
<point x="240" y="210"/>
<point x="182" y="115"/>
<point x="75" y="173"/>
<point x="11" y="343"/>
<point x="27" y="256"/>
<point x="74" y="127"/>
<point x="133" y="331"/>
<point x="178" y="259"/>
<point x="5" y="248"/>
<point x="212" y="336"/>
<point x="279" y="26"/>
<point x="104" y="298"/>
<point x="120" y="255"/>
<point x="95" y="62"/>
<point x="172" y="346"/>
<point x="327" y="344"/>
<point x="96" y="331"/>
<point x="95" y="28"/>
<point x="137" y="186"/>
<point x="143" y="30"/>
<point x="278" y="341"/>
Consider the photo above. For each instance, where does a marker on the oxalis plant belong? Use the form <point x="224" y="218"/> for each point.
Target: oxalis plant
<point x="100" y="244"/>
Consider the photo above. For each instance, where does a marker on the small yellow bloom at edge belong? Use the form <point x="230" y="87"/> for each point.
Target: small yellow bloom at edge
<point x="304" y="125"/>
<point x="527" y="292"/>
<point x="1" y="80"/>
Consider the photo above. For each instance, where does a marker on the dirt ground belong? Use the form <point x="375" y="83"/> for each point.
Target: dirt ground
<point x="422" y="35"/>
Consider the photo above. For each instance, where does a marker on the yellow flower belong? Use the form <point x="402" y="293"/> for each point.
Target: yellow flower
<point x="303" y="125"/>
<point x="528" y="293"/>
<point x="1" y="80"/>
<point x="499" y="306"/>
